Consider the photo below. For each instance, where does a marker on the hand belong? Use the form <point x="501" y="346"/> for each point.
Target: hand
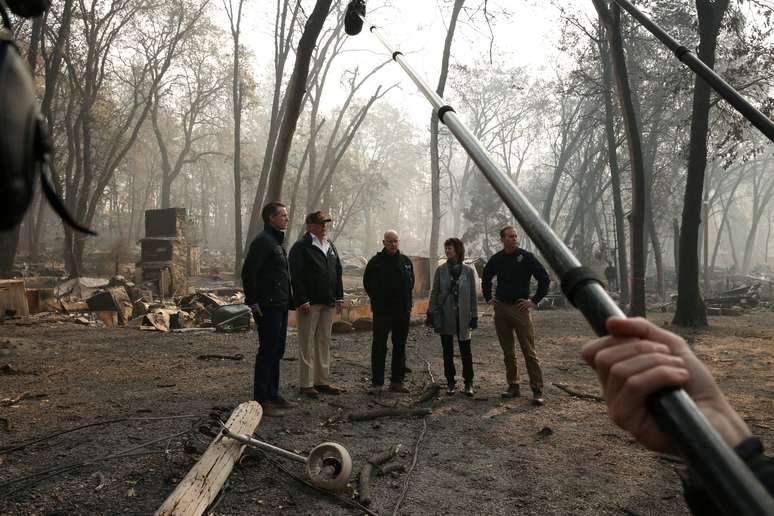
<point x="305" y="308"/>
<point x="257" y="314"/>
<point x="525" y="305"/>
<point x="473" y="323"/>
<point x="256" y="309"/>
<point x="492" y="302"/>
<point x="637" y="359"/>
<point x="339" y="305"/>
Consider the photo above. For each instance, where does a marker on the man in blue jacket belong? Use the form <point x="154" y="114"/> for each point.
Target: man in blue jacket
<point x="514" y="268"/>
<point x="266" y="280"/>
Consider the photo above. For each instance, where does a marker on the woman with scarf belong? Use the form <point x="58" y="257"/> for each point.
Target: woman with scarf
<point x="453" y="310"/>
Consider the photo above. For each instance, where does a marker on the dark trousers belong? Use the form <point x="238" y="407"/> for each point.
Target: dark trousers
<point x="272" y="331"/>
<point x="397" y="323"/>
<point x="447" y="342"/>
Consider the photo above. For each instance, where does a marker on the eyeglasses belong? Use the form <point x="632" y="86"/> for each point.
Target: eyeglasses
<point x="391" y="241"/>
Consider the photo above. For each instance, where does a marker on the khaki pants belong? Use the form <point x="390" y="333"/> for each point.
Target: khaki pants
<point x="314" y="345"/>
<point x="507" y="319"/>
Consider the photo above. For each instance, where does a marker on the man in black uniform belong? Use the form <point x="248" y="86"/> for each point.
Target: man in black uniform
<point x="389" y="283"/>
<point x="266" y="280"/>
<point x="514" y="267"/>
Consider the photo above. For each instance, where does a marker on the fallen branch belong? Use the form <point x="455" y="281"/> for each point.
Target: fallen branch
<point x="430" y="392"/>
<point x="387" y="412"/>
<point x="582" y="395"/>
<point x="8" y="402"/>
<point x="413" y="465"/>
<point x="429" y="371"/>
<point x="238" y="356"/>
<point x="383" y="456"/>
<point x="364" y="478"/>
<point x="364" y="483"/>
<point x="392" y="468"/>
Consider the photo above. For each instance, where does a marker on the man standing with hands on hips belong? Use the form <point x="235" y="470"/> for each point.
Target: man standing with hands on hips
<point x="316" y="274"/>
<point x="266" y="281"/>
<point x="514" y="267"/>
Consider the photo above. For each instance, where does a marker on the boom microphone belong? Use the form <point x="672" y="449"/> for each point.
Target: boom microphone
<point x="353" y="19"/>
<point x="728" y="480"/>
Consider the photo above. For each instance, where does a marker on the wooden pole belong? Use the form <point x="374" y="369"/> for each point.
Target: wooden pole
<point x="203" y="482"/>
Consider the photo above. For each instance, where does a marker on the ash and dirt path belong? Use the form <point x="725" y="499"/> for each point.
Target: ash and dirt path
<point x="479" y="456"/>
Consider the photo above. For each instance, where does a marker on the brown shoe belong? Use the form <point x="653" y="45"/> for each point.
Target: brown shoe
<point x="281" y="402"/>
<point x="398" y="387"/>
<point x="328" y="389"/>
<point x="271" y="410"/>
<point x="310" y="392"/>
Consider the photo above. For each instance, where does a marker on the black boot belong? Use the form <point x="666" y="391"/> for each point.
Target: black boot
<point x="469" y="388"/>
<point x="451" y="387"/>
<point x="512" y="392"/>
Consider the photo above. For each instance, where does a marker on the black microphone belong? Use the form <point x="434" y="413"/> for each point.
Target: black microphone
<point x="353" y="23"/>
<point x="28" y="8"/>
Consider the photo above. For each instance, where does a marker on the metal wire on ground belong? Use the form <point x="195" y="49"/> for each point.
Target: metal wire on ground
<point x="20" y="446"/>
<point x="411" y="468"/>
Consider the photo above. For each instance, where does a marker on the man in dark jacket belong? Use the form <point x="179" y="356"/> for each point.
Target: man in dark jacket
<point x="315" y="270"/>
<point x="266" y="280"/>
<point x="389" y="283"/>
<point x="514" y="267"/>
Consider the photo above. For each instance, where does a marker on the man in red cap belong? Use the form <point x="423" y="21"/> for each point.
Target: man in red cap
<point x="315" y="271"/>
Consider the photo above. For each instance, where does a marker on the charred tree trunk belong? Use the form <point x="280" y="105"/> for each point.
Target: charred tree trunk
<point x="293" y="97"/>
<point x="691" y="310"/>
<point x="612" y="22"/>
<point x="235" y="19"/>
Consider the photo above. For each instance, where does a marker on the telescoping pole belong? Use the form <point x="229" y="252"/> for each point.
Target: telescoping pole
<point x="728" y="480"/>
<point x="717" y="83"/>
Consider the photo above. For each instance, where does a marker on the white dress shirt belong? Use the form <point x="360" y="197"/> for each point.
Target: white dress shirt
<point x="322" y="245"/>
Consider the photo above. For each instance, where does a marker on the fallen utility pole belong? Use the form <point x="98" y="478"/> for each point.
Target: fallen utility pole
<point x="201" y="485"/>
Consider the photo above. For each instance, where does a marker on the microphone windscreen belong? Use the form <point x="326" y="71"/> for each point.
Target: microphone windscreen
<point x="28" y="8"/>
<point x="353" y="23"/>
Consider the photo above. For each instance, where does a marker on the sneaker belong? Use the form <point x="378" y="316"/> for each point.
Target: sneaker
<point x="451" y="387"/>
<point x="512" y="392"/>
<point x="310" y="392"/>
<point x="328" y="389"/>
<point x="407" y="370"/>
<point x="537" y="397"/>
<point x="469" y="388"/>
<point x="282" y="403"/>
<point x="398" y="387"/>
<point x="271" y="410"/>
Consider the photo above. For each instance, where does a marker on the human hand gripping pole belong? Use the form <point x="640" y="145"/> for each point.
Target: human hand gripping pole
<point x="731" y="483"/>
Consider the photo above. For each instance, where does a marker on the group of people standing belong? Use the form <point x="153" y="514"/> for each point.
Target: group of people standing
<point x="308" y="280"/>
<point x="634" y="361"/>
